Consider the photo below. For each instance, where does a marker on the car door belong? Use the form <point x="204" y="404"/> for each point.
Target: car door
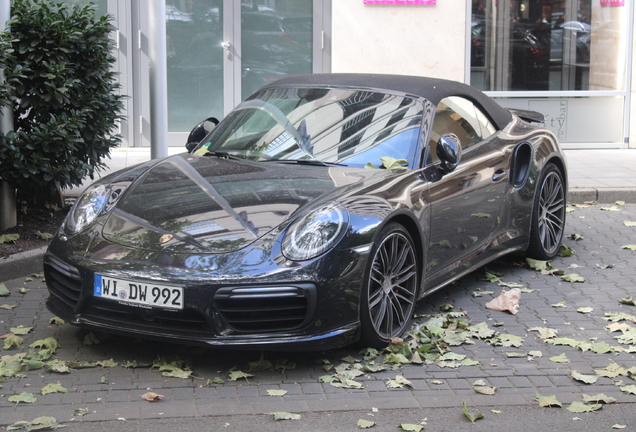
<point x="465" y="203"/>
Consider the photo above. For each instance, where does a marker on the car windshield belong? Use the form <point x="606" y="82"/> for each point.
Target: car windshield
<point x="332" y="126"/>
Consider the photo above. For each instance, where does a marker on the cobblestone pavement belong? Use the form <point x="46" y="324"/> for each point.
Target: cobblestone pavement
<point x="109" y="393"/>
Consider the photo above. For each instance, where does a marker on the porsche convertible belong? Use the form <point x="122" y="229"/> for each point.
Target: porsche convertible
<point x="316" y="214"/>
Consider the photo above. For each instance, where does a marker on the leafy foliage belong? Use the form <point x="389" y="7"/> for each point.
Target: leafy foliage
<point x="57" y="60"/>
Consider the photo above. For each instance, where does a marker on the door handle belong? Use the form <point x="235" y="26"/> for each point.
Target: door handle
<point x="226" y="45"/>
<point x="498" y="175"/>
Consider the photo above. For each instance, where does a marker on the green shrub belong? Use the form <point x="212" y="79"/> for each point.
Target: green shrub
<point x="58" y="64"/>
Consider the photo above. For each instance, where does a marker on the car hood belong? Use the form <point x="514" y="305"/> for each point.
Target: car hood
<point x="195" y="204"/>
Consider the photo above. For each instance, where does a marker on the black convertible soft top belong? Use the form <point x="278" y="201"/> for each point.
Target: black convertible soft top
<point x="432" y="89"/>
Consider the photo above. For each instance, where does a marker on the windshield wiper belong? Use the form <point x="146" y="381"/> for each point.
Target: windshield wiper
<point x="315" y="162"/>
<point x="222" y="155"/>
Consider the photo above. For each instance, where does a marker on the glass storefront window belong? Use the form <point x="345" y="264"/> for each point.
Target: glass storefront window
<point x="277" y="37"/>
<point x="194" y="33"/>
<point x="530" y="45"/>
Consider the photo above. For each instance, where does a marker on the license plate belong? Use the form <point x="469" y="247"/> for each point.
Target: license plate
<point x="140" y="294"/>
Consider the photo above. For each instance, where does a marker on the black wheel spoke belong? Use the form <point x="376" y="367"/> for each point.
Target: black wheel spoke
<point x="392" y="289"/>
<point x="551" y="212"/>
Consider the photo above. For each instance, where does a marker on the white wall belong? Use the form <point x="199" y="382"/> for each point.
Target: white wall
<point x="426" y="40"/>
<point x="632" y="114"/>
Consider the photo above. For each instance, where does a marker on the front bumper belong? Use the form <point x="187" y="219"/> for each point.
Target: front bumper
<point x="312" y="307"/>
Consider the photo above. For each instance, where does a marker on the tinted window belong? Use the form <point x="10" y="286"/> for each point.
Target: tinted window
<point x="461" y="117"/>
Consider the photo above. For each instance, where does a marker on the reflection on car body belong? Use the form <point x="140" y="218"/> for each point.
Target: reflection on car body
<point x="315" y="214"/>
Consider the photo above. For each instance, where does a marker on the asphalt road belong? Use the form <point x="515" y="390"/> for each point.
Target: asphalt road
<point x="438" y="391"/>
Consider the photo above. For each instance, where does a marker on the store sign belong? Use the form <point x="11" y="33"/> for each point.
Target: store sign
<point x="556" y="115"/>
<point x="612" y="2"/>
<point x="402" y="2"/>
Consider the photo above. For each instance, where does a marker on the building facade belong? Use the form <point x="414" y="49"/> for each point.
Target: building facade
<point x="568" y="59"/>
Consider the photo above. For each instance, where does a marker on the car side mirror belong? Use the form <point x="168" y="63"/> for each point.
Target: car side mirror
<point x="200" y="131"/>
<point x="449" y="151"/>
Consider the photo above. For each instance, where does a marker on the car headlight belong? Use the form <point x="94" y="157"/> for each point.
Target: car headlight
<point x="87" y="208"/>
<point x="315" y="233"/>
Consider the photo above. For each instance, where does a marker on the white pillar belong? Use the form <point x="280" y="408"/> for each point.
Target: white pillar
<point x="158" y="79"/>
<point x="8" y="214"/>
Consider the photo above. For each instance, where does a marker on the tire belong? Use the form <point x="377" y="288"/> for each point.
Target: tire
<point x="390" y="287"/>
<point x="548" y="215"/>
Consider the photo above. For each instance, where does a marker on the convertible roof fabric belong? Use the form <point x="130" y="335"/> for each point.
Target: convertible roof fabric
<point x="432" y="89"/>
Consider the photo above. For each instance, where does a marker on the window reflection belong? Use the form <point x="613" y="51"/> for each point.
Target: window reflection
<point x="195" y="61"/>
<point x="276" y="41"/>
<point x="547" y="45"/>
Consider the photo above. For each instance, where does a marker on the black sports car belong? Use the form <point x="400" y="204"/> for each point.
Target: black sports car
<point x="315" y="214"/>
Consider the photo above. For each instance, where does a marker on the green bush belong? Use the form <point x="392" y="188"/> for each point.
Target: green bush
<point x="58" y="66"/>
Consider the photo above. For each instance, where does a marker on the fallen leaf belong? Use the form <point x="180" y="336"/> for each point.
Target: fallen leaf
<point x="482" y="293"/>
<point x="8" y="306"/>
<point x="9" y="238"/>
<point x="485" y="390"/>
<point x="53" y="388"/>
<point x="560" y="359"/>
<point x="547" y="401"/>
<point x="599" y="398"/>
<point x="619" y="426"/>
<point x="507" y="340"/>
<point x="20" y="330"/>
<point x="585" y="310"/>
<point x="23" y="397"/>
<point x="566" y="251"/>
<point x="612" y="208"/>
<point x="545" y="332"/>
<point x="535" y="354"/>
<point x="107" y="363"/>
<point x="471" y="416"/>
<point x="184" y="374"/>
<point x="57" y="321"/>
<point x="494" y="411"/>
<point x="44" y="236"/>
<point x="12" y="341"/>
<point x="411" y="427"/>
<point x="152" y="397"/>
<point x="4" y="292"/>
<point x="274" y="392"/>
<point x="630" y="247"/>
<point x="573" y="277"/>
<point x="80" y="412"/>
<point x="630" y="301"/>
<point x="365" y="424"/>
<point x="508" y="301"/>
<point x="40" y="423"/>
<point x="91" y="339"/>
<point x="280" y="415"/>
<point x="559" y="305"/>
<point x="630" y="389"/>
<point x="399" y="382"/>
<point x="629" y="223"/>
<point x="48" y="343"/>
<point x="587" y="379"/>
<point x="580" y="407"/>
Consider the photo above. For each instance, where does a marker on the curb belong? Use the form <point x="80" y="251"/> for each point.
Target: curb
<point x="22" y="264"/>
<point x="601" y="195"/>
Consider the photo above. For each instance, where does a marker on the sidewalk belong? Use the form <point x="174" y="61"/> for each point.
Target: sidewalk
<point x="520" y="364"/>
<point x="594" y="175"/>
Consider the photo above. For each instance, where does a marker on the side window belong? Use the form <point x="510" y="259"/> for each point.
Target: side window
<point x="460" y="116"/>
